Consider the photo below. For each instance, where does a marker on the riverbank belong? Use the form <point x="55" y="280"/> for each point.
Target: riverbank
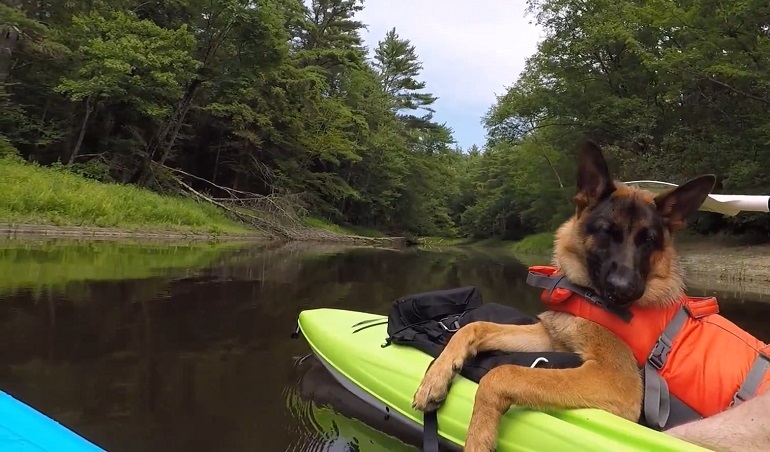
<point x="34" y="197"/>
<point x="736" y="264"/>
<point x="722" y="266"/>
<point x="536" y="244"/>
<point x="30" y="231"/>
<point x="53" y="201"/>
<point x="542" y="243"/>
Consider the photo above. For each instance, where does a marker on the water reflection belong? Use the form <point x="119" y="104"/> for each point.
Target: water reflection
<point x="187" y="348"/>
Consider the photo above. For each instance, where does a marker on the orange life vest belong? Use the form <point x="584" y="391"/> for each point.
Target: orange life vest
<point x="686" y="350"/>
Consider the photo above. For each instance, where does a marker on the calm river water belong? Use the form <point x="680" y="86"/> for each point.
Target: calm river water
<point x="188" y="348"/>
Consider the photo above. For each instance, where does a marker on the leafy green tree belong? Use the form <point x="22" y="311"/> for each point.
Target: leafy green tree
<point x="122" y="60"/>
<point x="281" y="98"/>
<point x="671" y="89"/>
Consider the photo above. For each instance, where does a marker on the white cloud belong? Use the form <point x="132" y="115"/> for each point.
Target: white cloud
<point x="470" y="51"/>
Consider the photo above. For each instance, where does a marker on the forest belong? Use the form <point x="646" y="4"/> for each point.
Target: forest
<point x="281" y="100"/>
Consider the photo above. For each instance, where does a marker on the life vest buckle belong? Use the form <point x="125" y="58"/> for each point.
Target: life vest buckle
<point x="659" y="353"/>
<point x="591" y="296"/>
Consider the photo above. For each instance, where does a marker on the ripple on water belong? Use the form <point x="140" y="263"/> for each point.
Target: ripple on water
<point x="310" y="435"/>
<point x="312" y="398"/>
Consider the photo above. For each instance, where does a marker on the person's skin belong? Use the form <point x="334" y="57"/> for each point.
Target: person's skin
<point x="744" y="428"/>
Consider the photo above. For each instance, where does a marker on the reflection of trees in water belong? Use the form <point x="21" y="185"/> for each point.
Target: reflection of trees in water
<point x="201" y="356"/>
<point x="251" y="300"/>
<point x="200" y="361"/>
<point x="67" y="265"/>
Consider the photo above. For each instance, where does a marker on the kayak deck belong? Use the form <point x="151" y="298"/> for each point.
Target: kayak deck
<point x="349" y="343"/>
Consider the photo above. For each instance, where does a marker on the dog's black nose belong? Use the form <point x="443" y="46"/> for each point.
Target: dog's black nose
<point x="623" y="286"/>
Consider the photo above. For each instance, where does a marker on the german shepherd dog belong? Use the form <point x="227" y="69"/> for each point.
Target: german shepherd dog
<point x="619" y="243"/>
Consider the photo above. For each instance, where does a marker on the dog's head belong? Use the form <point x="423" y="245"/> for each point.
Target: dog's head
<point x="619" y="242"/>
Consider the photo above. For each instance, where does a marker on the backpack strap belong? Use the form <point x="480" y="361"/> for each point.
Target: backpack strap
<point x="430" y="431"/>
<point x="657" y="399"/>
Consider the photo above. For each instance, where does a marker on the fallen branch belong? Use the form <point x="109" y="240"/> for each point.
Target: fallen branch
<point x="281" y="206"/>
<point x="274" y="215"/>
<point x="259" y="223"/>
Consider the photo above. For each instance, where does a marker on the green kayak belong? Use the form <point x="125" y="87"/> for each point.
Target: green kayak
<point x="388" y="377"/>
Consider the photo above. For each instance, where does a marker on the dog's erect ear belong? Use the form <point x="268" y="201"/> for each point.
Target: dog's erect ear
<point x="593" y="178"/>
<point x="678" y="204"/>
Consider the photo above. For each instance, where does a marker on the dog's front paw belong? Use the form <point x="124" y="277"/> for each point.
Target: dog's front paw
<point x="472" y="447"/>
<point x="433" y="389"/>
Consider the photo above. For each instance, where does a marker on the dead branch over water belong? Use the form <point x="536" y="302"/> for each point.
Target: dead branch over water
<point x="275" y="215"/>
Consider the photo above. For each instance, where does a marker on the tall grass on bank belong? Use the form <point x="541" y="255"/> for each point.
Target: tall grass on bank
<point x="320" y="223"/>
<point x="538" y="244"/>
<point x="39" y="195"/>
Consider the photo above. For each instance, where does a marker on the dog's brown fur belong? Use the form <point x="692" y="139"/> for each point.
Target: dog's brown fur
<point x="609" y="379"/>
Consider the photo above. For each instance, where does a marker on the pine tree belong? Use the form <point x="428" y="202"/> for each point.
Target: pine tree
<point x="398" y="67"/>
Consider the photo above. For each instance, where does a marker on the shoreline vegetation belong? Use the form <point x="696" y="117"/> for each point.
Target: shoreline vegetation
<point x="56" y="202"/>
<point x="53" y="201"/>
<point x="217" y="120"/>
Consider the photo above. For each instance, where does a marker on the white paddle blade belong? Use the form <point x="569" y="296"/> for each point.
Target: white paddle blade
<point x="729" y="205"/>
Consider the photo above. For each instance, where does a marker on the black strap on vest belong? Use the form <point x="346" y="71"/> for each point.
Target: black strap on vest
<point x="552" y="282"/>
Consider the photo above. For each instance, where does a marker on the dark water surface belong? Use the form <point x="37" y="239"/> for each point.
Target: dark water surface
<point x="187" y="348"/>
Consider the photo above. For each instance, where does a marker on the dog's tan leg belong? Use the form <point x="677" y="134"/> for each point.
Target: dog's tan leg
<point x="582" y="387"/>
<point x="608" y="380"/>
<point x="467" y="342"/>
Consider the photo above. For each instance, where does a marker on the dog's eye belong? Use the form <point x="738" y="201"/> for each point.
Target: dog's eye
<point x="604" y="229"/>
<point x="649" y="238"/>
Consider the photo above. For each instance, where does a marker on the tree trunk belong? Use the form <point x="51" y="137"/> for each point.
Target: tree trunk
<point x="216" y="163"/>
<point x="9" y="41"/>
<point x="172" y="140"/>
<point x="145" y="176"/>
<point x="83" y="126"/>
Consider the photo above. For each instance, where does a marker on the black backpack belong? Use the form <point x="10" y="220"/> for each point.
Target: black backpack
<point x="426" y="321"/>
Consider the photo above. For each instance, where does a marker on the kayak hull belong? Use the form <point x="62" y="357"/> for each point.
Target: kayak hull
<point x="348" y="343"/>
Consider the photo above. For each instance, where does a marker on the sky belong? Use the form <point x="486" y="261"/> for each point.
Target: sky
<point x="470" y="53"/>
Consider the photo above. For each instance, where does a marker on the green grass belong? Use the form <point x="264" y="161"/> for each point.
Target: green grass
<point x="538" y="245"/>
<point x="541" y="243"/>
<point x="39" y="195"/>
<point x="56" y="264"/>
<point x="320" y="223"/>
<point x="492" y="242"/>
